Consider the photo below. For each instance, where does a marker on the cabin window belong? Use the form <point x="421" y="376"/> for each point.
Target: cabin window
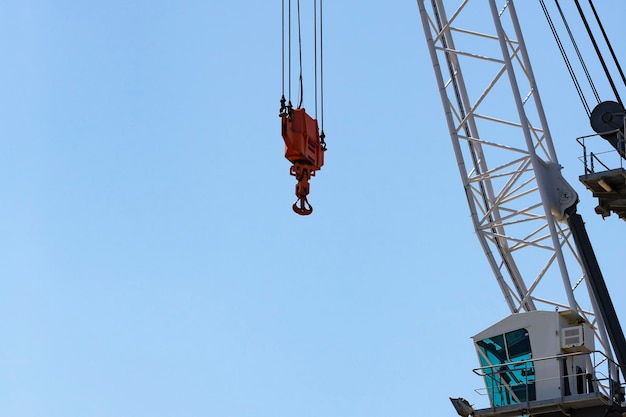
<point x="508" y="368"/>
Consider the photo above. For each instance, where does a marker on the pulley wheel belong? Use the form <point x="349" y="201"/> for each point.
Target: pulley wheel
<point x="606" y="117"/>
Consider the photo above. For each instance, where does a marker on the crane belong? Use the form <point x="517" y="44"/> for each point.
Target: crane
<point x="559" y="352"/>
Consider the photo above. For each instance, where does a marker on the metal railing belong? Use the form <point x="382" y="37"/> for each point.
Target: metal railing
<point x="601" y="378"/>
<point x="591" y="158"/>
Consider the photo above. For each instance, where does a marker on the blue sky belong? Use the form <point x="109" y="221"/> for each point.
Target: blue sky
<point x="151" y="263"/>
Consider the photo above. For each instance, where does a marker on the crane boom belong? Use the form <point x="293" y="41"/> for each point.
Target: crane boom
<point x="504" y="153"/>
<point x="524" y="215"/>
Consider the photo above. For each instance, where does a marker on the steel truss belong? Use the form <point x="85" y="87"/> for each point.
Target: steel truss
<point x="506" y="157"/>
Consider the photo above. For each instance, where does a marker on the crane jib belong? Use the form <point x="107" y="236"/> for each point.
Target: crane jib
<point x="553" y="355"/>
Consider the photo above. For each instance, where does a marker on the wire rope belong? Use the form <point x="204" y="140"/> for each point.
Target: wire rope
<point x="606" y="39"/>
<point x="580" y="57"/>
<point x="288" y="60"/>
<point x="566" y="60"/>
<point x="289" y="51"/>
<point x="322" y="136"/>
<point x="315" y="50"/>
<point x="597" y="49"/>
<point x="300" y="55"/>
<point x="283" y="47"/>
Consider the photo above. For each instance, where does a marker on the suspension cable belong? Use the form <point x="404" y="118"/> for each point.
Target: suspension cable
<point x="300" y="52"/>
<point x="287" y="59"/>
<point x="283" y="48"/>
<point x="595" y="45"/>
<point x="580" y="57"/>
<point x="289" y="54"/>
<point x="581" y="96"/>
<point x="606" y="39"/>
<point x="315" y="50"/>
<point x="319" y="93"/>
<point x="322" y="134"/>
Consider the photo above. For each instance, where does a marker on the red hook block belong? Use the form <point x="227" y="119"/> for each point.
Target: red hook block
<point x="302" y="139"/>
<point x="304" y="148"/>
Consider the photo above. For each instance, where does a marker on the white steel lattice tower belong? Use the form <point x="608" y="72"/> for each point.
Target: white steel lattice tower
<point x="506" y="158"/>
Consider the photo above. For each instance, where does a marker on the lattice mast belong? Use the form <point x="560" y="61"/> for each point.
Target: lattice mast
<point x="518" y="200"/>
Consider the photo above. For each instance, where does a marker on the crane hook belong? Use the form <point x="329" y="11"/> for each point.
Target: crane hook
<point x="302" y="173"/>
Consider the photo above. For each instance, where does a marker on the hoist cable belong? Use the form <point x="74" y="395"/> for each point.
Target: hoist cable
<point x="580" y="57"/>
<point x="283" y="47"/>
<point x="322" y="71"/>
<point x="565" y="58"/>
<point x="289" y="50"/>
<point x="319" y="94"/>
<point x="315" y="50"/>
<point x="606" y="39"/>
<point x="300" y="53"/>
<point x="595" y="45"/>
